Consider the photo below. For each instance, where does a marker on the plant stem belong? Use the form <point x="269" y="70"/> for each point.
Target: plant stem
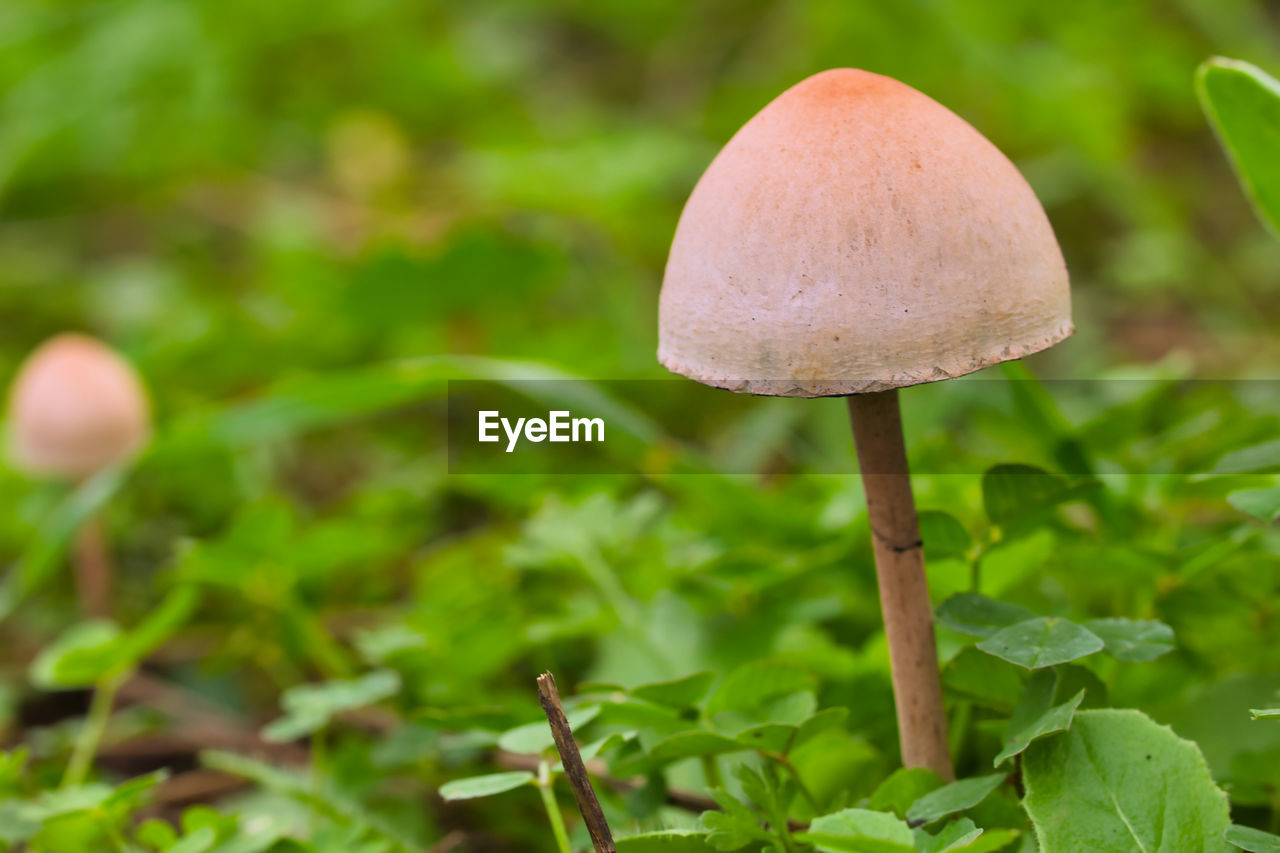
<point x="318" y="761"/>
<point x="711" y="772"/>
<point x="92" y="569"/>
<point x="552" y="808"/>
<point x="804" y="789"/>
<point x="904" y="591"/>
<point x="95" y="725"/>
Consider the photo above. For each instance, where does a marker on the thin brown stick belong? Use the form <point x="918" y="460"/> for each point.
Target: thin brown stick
<point x="93" y="569"/>
<point x="571" y="758"/>
<point x="904" y="591"/>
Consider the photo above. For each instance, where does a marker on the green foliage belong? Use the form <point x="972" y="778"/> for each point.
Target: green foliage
<point x="1243" y="102"/>
<point x="1116" y="782"/>
<point x="1036" y="716"/>
<point x="302" y="222"/>
<point x="485" y="786"/>
<point x="956" y="797"/>
<point x="1253" y="840"/>
<point x="1043" y="641"/>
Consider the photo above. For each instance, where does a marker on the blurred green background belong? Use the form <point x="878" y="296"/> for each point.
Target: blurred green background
<point x="233" y="191"/>
<point x="261" y="202"/>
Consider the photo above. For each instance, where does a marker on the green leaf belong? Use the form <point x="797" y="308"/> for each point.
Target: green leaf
<point x="784" y="737"/>
<point x="1256" y="458"/>
<point x="903" y="787"/>
<point x="88" y="652"/>
<point x="1118" y="782"/>
<point x="988" y="841"/>
<point x="1015" y="493"/>
<point x="665" y="841"/>
<point x="1243" y="104"/>
<point x="754" y="683"/>
<point x="979" y="616"/>
<point x="1262" y="504"/>
<point x="78" y="658"/>
<point x="956" y="797"/>
<point x="859" y="831"/>
<point x="1133" y="640"/>
<point x="532" y="738"/>
<point x="680" y="693"/>
<point x="1265" y="713"/>
<point x="200" y="841"/>
<point x="734" y="826"/>
<point x="984" y="680"/>
<point x="1036" y="716"/>
<point x="688" y="744"/>
<point x="484" y="786"/>
<point x="310" y="707"/>
<point x="956" y="835"/>
<point x="943" y="535"/>
<point x="1253" y="840"/>
<point x="1041" y="642"/>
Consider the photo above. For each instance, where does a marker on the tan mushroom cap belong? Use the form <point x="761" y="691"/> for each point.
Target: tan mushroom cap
<point x="856" y="236"/>
<point x="74" y="408"/>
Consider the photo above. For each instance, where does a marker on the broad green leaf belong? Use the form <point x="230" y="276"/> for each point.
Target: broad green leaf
<point x="988" y="841"/>
<point x="769" y="737"/>
<point x="1041" y="642"/>
<point x="979" y="616"/>
<point x="859" y="831"/>
<point x="984" y="680"/>
<point x="956" y="835"/>
<point x="1265" y="713"/>
<point x="1243" y="104"/>
<point x="943" y="535"/>
<point x="1262" y="504"/>
<point x="1013" y="493"/>
<point x="1253" y="840"/>
<point x="484" y="786"/>
<point x="378" y="645"/>
<point x="687" y="744"/>
<point x="310" y="707"/>
<point x="200" y="841"/>
<point x="754" y="683"/>
<point x="665" y="841"/>
<point x="1256" y="458"/>
<point x="903" y="787"/>
<point x="1133" y="640"/>
<point x="1036" y="716"/>
<point x="956" y="797"/>
<point x="1119" y="782"/>
<point x="78" y="658"/>
<point x="827" y="718"/>
<point x="784" y="737"/>
<point x="680" y="693"/>
<point x="536" y="737"/>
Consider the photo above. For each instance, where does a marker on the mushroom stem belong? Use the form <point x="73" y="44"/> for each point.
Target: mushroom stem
<point x="93" y="569"/>
<point x="904" y="591"/>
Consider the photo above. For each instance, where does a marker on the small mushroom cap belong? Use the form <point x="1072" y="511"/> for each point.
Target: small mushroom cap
<point x="856" y="236"/>
<point x="74" y="408"/>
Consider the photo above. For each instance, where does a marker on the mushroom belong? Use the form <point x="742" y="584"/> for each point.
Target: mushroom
<point x="853" y="238"/>
<point x="76" y="407"/>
